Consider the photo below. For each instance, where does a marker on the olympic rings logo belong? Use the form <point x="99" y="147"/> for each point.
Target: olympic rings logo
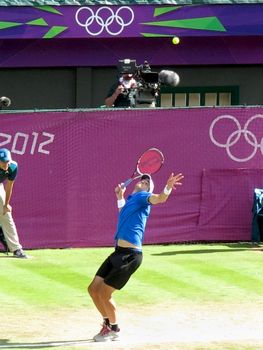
<point x="235" y="136"/>
<point x="114" y="24"/>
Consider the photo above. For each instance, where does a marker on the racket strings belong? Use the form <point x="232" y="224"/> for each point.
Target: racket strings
<point x="150" y="163"/>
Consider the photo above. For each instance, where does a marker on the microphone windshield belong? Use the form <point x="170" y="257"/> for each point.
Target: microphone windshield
<point x="168" y="77"/>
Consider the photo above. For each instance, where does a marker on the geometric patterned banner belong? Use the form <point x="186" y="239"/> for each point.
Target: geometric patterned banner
<point x="118" y="2"/>
<point x="107" y="21"/>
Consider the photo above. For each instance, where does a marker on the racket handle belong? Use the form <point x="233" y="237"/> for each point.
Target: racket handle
<point x="126" y="183"/>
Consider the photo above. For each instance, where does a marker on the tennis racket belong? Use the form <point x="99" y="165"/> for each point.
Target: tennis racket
<point x="149" y="163"/>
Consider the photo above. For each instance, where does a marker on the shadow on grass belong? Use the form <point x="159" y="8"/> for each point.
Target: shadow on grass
<point x="230" y="248"/>
<point x="5" y="344"/>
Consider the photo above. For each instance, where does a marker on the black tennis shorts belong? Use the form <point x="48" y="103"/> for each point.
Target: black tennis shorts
<point x="117" y="269"/>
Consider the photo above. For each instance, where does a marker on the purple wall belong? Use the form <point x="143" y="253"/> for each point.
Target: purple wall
<point x="107" y="52"/>
<point x="101" y="35"/>
<point x="70" y="162"/>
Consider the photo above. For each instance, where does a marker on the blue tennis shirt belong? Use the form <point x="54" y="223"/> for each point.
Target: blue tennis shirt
<point x="11" y="172"/>
<point x="133" y="218"/>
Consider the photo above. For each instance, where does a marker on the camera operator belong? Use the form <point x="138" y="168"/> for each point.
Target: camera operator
<point x="119" y="94"/>
<point x="138" y="86"/>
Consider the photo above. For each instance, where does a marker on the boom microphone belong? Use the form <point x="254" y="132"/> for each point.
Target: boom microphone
<point x="168" y="77"/>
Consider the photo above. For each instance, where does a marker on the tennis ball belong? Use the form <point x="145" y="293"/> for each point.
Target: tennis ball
<point x="175" y="40"/>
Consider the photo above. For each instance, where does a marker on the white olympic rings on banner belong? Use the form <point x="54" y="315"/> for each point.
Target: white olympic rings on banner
<point x="234" y="137"/>
<point x="103" y="23"/>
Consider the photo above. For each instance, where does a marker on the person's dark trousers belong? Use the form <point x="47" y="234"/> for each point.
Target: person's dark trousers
<point x="3" y="240"/>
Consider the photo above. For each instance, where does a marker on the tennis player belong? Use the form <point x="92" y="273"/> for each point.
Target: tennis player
<point x="116" y="270"/>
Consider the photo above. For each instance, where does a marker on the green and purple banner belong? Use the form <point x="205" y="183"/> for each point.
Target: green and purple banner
<point x="66" y="36"/>
<point x="135" y="21"/>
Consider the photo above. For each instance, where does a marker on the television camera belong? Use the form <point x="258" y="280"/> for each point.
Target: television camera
<point x="148" y="85"/>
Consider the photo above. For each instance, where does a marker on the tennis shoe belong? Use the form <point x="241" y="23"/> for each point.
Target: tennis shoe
<point x="19" y="253"/>
<point x="104" y="326"/>
<point x="106" y="334"/>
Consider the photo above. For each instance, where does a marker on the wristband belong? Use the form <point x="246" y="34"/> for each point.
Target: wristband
<point x="166" y="191"/>
<point x="120" y="203"/>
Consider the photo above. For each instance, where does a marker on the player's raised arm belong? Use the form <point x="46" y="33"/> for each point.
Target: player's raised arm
<point x="171" y="184"/>
<point x="119" y="191"/>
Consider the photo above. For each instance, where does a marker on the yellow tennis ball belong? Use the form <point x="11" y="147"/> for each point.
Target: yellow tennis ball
<point x="175" y="40"/>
